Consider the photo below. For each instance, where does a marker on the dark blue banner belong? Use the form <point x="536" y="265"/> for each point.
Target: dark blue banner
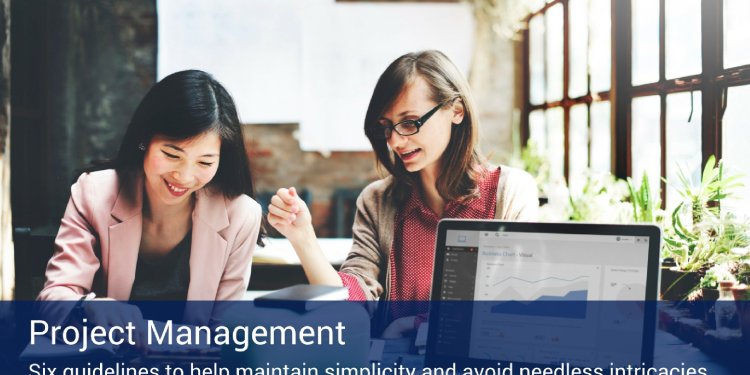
<point x="545" y="336"/>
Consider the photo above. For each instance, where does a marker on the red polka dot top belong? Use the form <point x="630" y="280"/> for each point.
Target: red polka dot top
<point x="413" y="249"/>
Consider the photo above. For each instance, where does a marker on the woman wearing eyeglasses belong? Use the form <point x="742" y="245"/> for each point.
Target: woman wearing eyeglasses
<point x="422" y="125"/>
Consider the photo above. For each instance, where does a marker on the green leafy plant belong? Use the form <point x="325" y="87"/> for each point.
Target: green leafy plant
<point x="713" y="187"/>
<point x="742" y="272"/>
<point x="602" y="199"/>
<point x="719" y="272"/>
<point x="535" y="163"/>
<point x="646" y="201"/>
<point x="708" y="237"/>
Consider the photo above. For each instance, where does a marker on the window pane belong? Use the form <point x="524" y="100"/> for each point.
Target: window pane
<point x="683" y="142"/>
<point x="554" y="27"/>
<point x="556" y="143"/>
<point x="579" y="40"/>
<point x="736" y="33"/>
<point x="538" y="130"/>
<point x="579" y="147"/>
<point x="645" y="41"/>
<point x="600" y="59"/>
<point x="536" y="60"/>
<point x="646" y="138"/>
<point x="535" y="5"/>
<point x="601" y="140"/>
<point x="683" y="38"/>
<point x="736" y="153"/>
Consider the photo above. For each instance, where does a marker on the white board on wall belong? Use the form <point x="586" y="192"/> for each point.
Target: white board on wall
<point x="314" y="62"/>
<point x="253" y="47"/>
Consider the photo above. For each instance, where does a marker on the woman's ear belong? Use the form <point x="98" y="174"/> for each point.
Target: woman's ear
<point x="458" y="111"/>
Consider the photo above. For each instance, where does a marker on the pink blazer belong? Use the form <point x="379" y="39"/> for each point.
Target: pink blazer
<point x="101" y="231"/>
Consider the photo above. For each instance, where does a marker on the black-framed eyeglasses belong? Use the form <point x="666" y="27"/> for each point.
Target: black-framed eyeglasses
<point x="404" y="128"/>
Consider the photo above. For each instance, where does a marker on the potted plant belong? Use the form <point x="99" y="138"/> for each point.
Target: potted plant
<point x="704" y="297"/>
<point x="700" y="235"/>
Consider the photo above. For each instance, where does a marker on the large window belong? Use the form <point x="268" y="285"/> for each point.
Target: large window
<point x="568" y="62"/>
<point x="648" y="86"/>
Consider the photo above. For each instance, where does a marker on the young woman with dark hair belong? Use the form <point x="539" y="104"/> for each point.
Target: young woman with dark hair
<point x="173" y="219"/>
<point x="422" y="125"/>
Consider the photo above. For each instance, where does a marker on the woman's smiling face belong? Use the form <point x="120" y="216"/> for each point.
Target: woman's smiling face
<point x="425" y="148"/>
<point x="174" y="169"/>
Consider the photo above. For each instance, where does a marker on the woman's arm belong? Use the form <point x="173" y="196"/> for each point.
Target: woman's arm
<point x="361" y="270"/>
<point x="291" y="217"/>
<point x="70" y="271"/>
<point x="367" y="258"/>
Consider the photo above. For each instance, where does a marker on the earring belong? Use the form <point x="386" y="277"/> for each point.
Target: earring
<point x="141" y="146"/>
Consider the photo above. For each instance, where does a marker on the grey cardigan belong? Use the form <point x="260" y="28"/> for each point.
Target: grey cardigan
<point x="517" y="200"/>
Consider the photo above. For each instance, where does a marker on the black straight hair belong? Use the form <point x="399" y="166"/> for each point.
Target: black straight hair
<point x="181" y="106"/>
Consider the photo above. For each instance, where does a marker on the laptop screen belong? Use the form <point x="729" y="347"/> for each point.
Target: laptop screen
<point x="540" y="294"/>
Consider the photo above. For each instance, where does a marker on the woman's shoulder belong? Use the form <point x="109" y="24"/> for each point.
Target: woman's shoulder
<point x="97" y="187"/>
<point x="376" y="190"/>
<point x="242" y="205"/>
<point x="517" y="195"/>
<point x="97" y="195"/>
<point x="511" y="177"/>
<point x="230" y="214"/>
<point x="103" y="178"/>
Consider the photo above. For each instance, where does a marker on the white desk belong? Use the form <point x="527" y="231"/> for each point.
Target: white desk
<point x="276" y="265"/>
<point x="280" y="251"/>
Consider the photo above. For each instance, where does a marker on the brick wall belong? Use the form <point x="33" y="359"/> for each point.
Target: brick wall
<point x="277" y="161"/>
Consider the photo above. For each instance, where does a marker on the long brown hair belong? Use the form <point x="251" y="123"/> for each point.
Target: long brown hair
<point x="460" y="160"/>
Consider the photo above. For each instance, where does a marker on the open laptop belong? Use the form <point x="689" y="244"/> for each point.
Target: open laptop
<point x="543" y="294"/>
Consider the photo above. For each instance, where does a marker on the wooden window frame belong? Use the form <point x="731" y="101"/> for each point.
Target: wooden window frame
<point x="713" y="81"/>
<point x="567" y="102"/>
